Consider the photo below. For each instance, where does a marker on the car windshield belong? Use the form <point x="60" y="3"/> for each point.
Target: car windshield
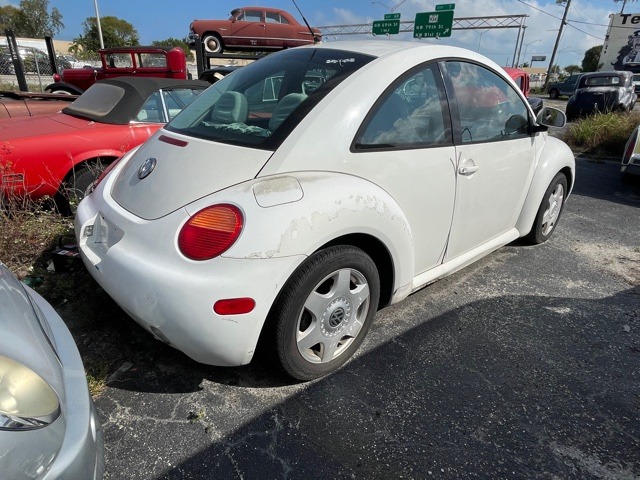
<point x="252" y="107"/>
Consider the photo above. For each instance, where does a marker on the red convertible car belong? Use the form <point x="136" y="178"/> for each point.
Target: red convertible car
<point x="60" y="155"/>
<point x="253" y="28"/>
<point x="25" y="104"/>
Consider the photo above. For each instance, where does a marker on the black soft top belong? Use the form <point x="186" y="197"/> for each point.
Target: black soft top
<point x="118" y="100"/>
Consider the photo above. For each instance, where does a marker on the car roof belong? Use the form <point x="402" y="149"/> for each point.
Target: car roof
<point x="136" y="91"/>
<point x="380" y="48"/>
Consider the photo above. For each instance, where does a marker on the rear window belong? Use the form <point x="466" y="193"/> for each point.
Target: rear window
<point x="98" y="101"/>
<point x="260" y="104"/>
<point x="608" y="81"/>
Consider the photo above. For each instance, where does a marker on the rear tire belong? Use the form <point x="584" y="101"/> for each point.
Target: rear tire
<point x="325" y="311"/>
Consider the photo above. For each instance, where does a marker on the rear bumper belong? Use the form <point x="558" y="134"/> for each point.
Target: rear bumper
<point x="138" y="264"/>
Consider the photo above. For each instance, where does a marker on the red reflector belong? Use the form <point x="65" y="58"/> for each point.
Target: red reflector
<point x="173" y="141"/>
<point x="234" y="306"/>
<point x="210" y="232"/>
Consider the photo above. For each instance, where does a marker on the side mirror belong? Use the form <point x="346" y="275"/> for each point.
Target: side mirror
<point x="551" y="117"/>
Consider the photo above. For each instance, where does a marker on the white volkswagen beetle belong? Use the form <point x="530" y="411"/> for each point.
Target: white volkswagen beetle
<point x="288" y="211"/>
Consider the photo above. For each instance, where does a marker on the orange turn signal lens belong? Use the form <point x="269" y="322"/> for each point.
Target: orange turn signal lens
<point x="210" y="232"/>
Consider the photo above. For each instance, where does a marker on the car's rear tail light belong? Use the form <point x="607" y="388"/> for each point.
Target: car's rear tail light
<point x="210" y="232"/>
<point x="234" y="306"/>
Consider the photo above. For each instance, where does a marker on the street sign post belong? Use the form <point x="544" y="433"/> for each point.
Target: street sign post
<point x="386" y="27"/>
<point x="433" y="24"/>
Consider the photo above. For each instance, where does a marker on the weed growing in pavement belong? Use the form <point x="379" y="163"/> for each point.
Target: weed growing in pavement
<point x="105" y="336"/>
<point x="602" y="133"/>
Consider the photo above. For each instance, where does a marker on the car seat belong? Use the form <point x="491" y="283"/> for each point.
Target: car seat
<point x="284" y="108"/>
<point x="231" y="107"/>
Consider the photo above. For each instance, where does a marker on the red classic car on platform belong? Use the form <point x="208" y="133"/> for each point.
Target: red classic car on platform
<point x="253" y="28"/>
<point x="60" y="155"/>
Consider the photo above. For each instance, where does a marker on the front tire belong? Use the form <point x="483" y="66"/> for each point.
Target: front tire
<point x="550" y="210"/>
<point x="212" y="43"/>
<point x="325" y="311"/>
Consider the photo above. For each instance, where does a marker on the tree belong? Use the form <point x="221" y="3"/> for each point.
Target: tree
<point x="174" y="42"/>
<point x="115" y="33"/>
<point x="31" y="19"/>
<point x="8" y="17"/>
<point x="571" y="69"/>
<point x="591" y="59"/>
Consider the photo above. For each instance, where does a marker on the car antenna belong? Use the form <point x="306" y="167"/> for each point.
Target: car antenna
<point x="315" y="39"/>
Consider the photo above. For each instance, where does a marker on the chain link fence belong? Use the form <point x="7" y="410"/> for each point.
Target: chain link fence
<point x="35" y="64"/>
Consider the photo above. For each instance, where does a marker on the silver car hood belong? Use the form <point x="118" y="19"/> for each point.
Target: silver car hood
<point x="170" y="171"/>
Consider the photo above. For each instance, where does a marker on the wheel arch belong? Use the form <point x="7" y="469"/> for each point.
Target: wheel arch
<point x="89" y="160"/>
<point x="64" y="87"/>
<point x="555" y="158"/>
<point x="380" y="255"/>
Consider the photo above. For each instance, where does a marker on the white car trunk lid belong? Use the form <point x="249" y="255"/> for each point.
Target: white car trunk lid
<point x="185" y="169"/>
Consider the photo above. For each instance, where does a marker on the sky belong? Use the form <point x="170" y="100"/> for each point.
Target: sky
<point x="588" y="20"/>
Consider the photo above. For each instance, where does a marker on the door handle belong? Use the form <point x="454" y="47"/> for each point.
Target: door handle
<point x="468" y="169"/>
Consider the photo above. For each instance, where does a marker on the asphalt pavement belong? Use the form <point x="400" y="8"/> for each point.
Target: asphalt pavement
<point x="524" y="365"/>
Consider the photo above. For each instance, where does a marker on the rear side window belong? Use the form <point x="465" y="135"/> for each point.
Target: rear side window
<point x="413" y="113"/>
<point x="260" y="104"/>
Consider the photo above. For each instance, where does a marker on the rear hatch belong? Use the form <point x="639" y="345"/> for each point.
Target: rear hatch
<point x="184" y="169"/>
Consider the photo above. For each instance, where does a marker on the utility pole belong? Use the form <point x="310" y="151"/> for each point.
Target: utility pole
<point x="555" y="47"/>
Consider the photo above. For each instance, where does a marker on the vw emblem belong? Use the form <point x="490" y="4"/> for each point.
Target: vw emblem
<point x="146" y="168"/>
<point x="336" y="317"/>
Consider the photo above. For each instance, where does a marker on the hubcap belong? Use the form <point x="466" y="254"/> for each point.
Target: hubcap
<point x="551" y="214"/>
<point x="332" y="316"/>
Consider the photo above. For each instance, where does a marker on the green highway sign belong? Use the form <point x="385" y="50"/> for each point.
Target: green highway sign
<point x="433" y="24"/>
<point x="445" y="6"/>
<point x="386" y="27"/>
<point x="392" y="16"/>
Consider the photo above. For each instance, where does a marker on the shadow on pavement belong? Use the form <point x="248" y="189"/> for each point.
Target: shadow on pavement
<point x="486" y="390"/>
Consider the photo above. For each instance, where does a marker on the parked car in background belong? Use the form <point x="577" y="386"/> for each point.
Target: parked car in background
<point x="25" y="104"/>
<point x="602" y="92"/>
<point x="253" y="28"/>
<point x="161" y="62"/>
<point x="298" y="215"/>
<point x="564" y="88"/>
<point x="522" y="79"/>
<point x="49" y="426"/>
<point x="636" y="82"/>
<point x="217" y="72"/>
<point x="631" y="156"/>
<point x="61" y="154"/>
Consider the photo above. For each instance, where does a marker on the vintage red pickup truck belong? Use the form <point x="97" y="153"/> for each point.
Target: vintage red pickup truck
<point x="164" y="62"/>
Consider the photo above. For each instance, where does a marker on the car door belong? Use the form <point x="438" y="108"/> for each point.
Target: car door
<point x="405" y="147"/>
<point x="247" y="29"/>
<point x="279" y="32"/>
<point x="495" y="154"/>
